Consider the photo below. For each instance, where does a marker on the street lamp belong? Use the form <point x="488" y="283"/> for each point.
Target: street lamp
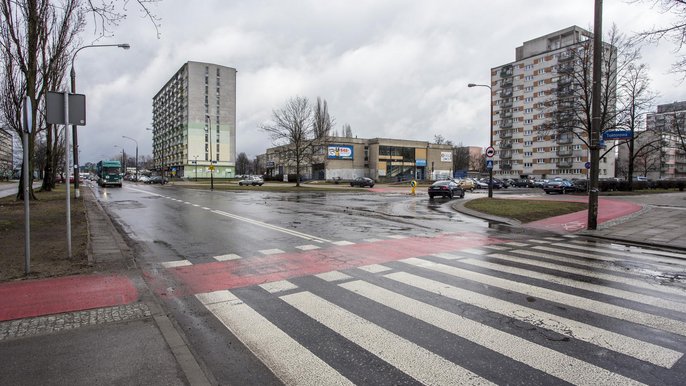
<point x="75" y="137"/>
<point x="490" y="171"/>
<point x="123" y="136"/>
<point x="123" y="158"/>
<point x="209" y="121"/>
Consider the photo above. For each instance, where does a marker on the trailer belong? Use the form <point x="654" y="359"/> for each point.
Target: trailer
<point x="109" y="173"/>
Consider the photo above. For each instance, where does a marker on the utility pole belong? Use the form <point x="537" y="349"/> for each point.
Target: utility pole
<point x="595" y="113"/>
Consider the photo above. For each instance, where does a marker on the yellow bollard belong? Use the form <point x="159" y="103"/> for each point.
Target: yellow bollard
<point x="413" y="184"/>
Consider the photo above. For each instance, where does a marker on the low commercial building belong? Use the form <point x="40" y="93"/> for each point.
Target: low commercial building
<point x="382" y="159"/>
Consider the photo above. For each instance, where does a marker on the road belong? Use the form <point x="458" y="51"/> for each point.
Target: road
<point x="341" y="288"/>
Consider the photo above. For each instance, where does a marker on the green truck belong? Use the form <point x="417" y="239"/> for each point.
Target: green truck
<point x="109" y="173"/>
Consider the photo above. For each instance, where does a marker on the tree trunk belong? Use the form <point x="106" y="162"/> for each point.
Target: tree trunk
<point x="48" y="182"/>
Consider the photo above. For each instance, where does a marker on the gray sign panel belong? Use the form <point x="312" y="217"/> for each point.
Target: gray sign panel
<point x="54" y="106"/>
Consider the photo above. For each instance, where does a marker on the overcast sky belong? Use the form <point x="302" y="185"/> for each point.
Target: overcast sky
<point x="389" y="68"/>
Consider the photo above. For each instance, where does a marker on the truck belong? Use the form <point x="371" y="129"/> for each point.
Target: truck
<point x="109" y="173"/>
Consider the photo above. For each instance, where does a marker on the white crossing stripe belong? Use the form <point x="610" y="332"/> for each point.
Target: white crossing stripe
<point x="598" y="307"/>
<point x="589" y="272"/>
<point x="342" y="242"/>
<point x="278" y="286"/>
<point x="539" y="241"/>
<point x="532" y="354"/>
<point x="515" y="244"/>
<point x="586" y="246"/>
<point x="417" y="362"/>
<point x="206" y="208"/>
<point x="196" y="205"/>
<point x="289" y="360"/>
<point x="577" y="330"/>
<point x="230" y="256"/>
<point x="375" y="268"/>
<point x="307" y="247"/>
<point x="372" y="240"/>
<point x="397" y="237"/>
<point x="176" y="263"/>
<point x="333" y="276"/>
<point x="497" y="247"/>
<point x="474" y="251"/>
<point x="271" y="251"/>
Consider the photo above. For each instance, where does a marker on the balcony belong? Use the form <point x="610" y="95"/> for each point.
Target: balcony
<point x="507" y="166"/>
<point x="506" y="123"/>
<point x="506" y="83"/>
<point x="564" y="152"/>
<point x="505" y="145"/>
<point x="505" y="114"/>
<point x="565" y="56"/>
<point x="565" y="68"/>
<point x="564" y="81"/>
<point x="564" y="164"/>
<point x="506" y="93"/>
<point x="565" y="91"/>
<point x="506" y="134"/>
<point x="565" y="139"/>
<point x="506" y="103"/>
<point x="506" y="71"/>
<point x="507" y="154"/>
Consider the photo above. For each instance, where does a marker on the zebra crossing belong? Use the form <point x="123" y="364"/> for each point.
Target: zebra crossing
<point x="539" y="311"/>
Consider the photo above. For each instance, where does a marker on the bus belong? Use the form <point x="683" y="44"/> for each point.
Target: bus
<point x="109" y="173"/>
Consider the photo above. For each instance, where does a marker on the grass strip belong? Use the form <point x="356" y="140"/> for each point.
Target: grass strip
<point x="524" y="210"/>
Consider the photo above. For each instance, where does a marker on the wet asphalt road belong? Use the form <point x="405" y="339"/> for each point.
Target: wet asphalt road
<point x="317" y="288"/>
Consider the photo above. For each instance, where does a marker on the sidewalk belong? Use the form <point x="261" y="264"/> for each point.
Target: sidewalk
<point x="103" y="328"/>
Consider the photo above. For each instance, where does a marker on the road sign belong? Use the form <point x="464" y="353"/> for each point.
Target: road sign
<point x="617" y="134"/>
<point x="28" y="115"/>
<point x="489" y="164"/>
<point x="211" y="167"/>
<point x="54" y="108"/>
<point x="490" y="152"/>
<point x="587" y="165"/>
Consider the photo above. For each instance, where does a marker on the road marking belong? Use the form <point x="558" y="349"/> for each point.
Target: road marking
<point x="333" y="276"/>
<point x="598" y="307"/>
<point x="230" y="256"/>
<point x="515" y="244"/>
<point x="375" y="268"/>
<point x="274" y="251"/>
<point x="307" y="247"/>
<point x="416" y="361"/>
<point x="497" y="247"/>
<point x="584" y="246"/>
<point x="196" y="205"/>
<point x="342" y="243"/>
<point x="278" y="286"/>
<point x="289" y="360"/>
<point x="397" y="237"/>
<point x="519" y="349"/>
<point x="272" y="227"/>
<point x="372" y="240"/>
<point x="539" y="241"/>
<point x="577" y="330"/>
<point x="206" y="208"/>
<point x="177" y="263"/>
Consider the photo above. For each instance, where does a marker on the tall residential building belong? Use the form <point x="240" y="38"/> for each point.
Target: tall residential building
<point x="669" y="124"/>
<point x="6" y="153"/>
<point x="194" y="122"/>
<point x="527" y="140"/>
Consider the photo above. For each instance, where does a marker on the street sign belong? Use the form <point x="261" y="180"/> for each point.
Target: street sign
<point x="54" y="108"/>
<point x="587" y="165"/>
<point x="28" y="115"/>
<point x="489" y="164"/>
<point x="617" y="134"/>
<point x="211" y="167"/>
<point x="490" y="152"/>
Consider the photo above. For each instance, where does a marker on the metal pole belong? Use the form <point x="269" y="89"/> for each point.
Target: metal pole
<point x="490" y="171"/>
<point x="27" y="227"/>
<point x="211" y="162"/>
<point x="75" y="138"/>
<point x="595" y="110"/>
<point x="67" y="168"/>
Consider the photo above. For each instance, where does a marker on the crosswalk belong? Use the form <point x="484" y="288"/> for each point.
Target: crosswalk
<point x="539" y="311"/>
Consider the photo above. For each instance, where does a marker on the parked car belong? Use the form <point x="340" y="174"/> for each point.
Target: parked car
<point x="465" y="184"/>
<point x="157" y="180"/>
<point x="497" y="184"/>
<point x="143" y="178"/>
<point x="251" y="181"/>
<point x="362" y="182"/>
<point x="446" y="189"/>
<point x="522" y="183"/>
<point x="559" y="186"/>
<point x="480" y="184"/>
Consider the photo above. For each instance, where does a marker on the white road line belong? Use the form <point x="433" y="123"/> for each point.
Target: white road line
<point x="540" y="357"/>
<point x="278" y="286"/>
<point x="375" y="268"/>
<point x="342" y="243"/>
<point x="177" y="263"/>
<point x="271" y="251"/>
<point x="515" y="244"/>
<point x="196" y="205"/>
<point x="590" y="270"/>
<point x="206" y="208"/>
<point x="623" y="255"/>
<point x="475" y="251"/>
<point x="595" y="306"/>
<point x="417" y="362"/>
<point x="273" y="227"/>
<point x="397" y="237"/>
<point x="497" y="247"/>
<point x="307" y="247"/>
<point x="372" y="240"/>
<point x="230" y="256"/>
<point x="333" y="276"/>
<point x="577" y="330"/>
<point x="539" y="241"/>
<point x="289" y="360"/>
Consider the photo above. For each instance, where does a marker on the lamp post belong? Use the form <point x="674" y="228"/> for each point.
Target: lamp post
<point x="195" y="157"/>
<point x="490" y="171"/>
<point x="123" y="136"/>
<point x="72" y="75"/>
<point x="123" y="158"/>
<point x="209" y="121"/>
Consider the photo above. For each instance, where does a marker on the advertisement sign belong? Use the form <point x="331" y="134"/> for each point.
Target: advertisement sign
<point x="340" y="152"/>
<point x="420" y="162"/>
<point x="271" y="164"/>
<point x="446" y="156"/>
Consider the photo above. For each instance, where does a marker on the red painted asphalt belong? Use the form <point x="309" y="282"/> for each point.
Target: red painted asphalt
<point x="607" y="210"/>
<point x="30" y="298"/>
<point x="262" y="269"/>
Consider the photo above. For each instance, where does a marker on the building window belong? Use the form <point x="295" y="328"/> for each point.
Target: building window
<point x="217" y="72"/>
<point x="528" y="132"/>
<point x="529" y="88"/>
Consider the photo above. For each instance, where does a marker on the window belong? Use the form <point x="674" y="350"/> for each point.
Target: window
<point x="217" y="72"/>
<point x="528" y="164"/>
<point x="529" y="99"/>
<point x="540" y="150"/>
<point x="529" y="88"/>
<point x="528" y="132"/>
<point x="207" y="70"/>
<point x="528" y="121"/>
<point x="529" y="110"/>
<point x="528" y="66"/>
<point x="528" y="154"/>
<point x="529" y="77"/>
<point x="528" y="143"/>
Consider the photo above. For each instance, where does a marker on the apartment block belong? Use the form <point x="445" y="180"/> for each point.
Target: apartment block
<point x="6" y="153"/>
<point x="668" y="124"/>
<point x="194" y="122"/>
<point x="528" y="134"/>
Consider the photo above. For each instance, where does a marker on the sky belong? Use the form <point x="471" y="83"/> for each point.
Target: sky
<point x="388" y="68"/>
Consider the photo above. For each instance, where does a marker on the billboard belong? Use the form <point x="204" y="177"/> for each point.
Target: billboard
<point x="446" y="156"/>
<point x="339" y="152"/>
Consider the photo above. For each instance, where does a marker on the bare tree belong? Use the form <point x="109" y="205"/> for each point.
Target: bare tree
<point x="347" y="131"/>
<point x="461" y="158"/>
<point x="477" y="163"/>
<point x="323" y="122"/>
<point x="674" y="32"/>
<point x="292" y="126"/>
<point x="242" y="164"/>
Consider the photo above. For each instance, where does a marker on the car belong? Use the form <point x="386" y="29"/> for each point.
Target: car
<point x="251" y="181"/>
<point x="362" y="182"/>
<point x="522" y="183"/>
<point x="497" y="184"/>
<point x="143" y="178"/>
<point x="157" y="180"/>
<point x="559" y="186"/>
<point x="465" y="184"/>
<point x="447" y="189"/>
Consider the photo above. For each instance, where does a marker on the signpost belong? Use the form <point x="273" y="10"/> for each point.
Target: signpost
<point x="28" y="127"/>
<point x="489" y="164"/>
<point x="490" y="152"/>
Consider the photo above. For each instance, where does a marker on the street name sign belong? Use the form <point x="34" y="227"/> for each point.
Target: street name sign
<point x="617" y="134"/>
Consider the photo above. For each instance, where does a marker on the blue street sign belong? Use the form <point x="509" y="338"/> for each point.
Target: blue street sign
<point x="617" y="134"/>
<point x="587" y="165"/>
<point x="489" y="164"/>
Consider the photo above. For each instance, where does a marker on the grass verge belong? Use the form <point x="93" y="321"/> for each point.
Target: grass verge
<point x="524" y="210"/>
<point x="48" y="236"/>
<point x="270" y="187"/>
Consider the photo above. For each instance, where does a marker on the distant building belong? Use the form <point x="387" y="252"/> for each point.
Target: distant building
<point x="6" y="153"/>
<point x="539" y="75"/>
<point x="381" y="159"/>
<point x="194" y="122"/>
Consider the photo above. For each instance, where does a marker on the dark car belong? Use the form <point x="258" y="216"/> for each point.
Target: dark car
<point x="446" y="189"/>
<point x="362" y="182"/>
<point x="157" y="180"/>
<point x="522" y="183"/>
<point x="559" y="186"/>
